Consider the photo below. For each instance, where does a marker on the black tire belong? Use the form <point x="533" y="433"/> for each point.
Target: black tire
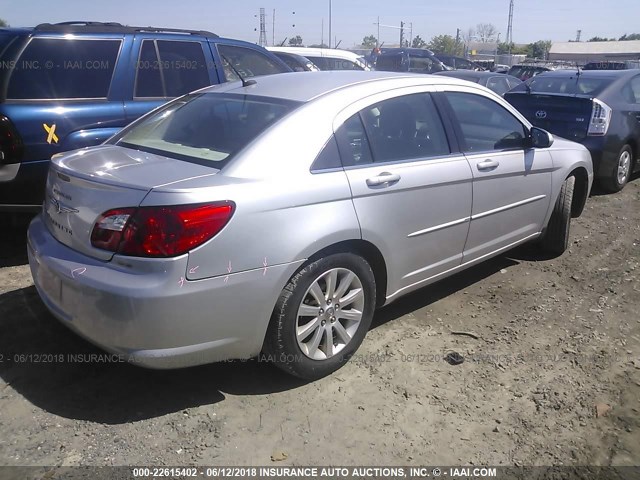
<point x="556" y="236"/>
<point x="282" y="346"/>
<point x="611" y="183"/>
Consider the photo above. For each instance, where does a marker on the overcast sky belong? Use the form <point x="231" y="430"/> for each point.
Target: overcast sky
<point x="533" y="20"/>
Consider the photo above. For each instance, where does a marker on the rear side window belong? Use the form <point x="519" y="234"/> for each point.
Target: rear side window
<point x="247" y="62"/>
<point x="498" y="84"/>
<point x="353" y="143"/>
<point x="485" y="124"/>
<point x="5" y="40"/>
<point x="423" y="65"/>
<point x="205" y="128"/>
<point x="170" y="68"/>
<point x="52" y="68"/>
<point x="391" y="63"/>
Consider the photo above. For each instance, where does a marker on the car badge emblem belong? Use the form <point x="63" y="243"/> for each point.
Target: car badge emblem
<point x="541" y="114"/>
<point x="60" y="208"/>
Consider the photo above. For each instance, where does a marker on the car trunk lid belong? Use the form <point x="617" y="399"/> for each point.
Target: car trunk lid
<point x="84" y="184"/>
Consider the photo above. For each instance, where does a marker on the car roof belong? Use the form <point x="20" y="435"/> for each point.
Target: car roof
<point x="324" y="52"/>
<point x="475" y="75"/>
<point x="409" y="50"/>
<point x="569" y="72"/>
<point x="304" y="87"/>
<point x="77" y="27"/>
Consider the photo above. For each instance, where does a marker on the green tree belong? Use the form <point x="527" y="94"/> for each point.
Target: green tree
<point x="369" y="41"/>
<point x="319" y="45"/>
<point x="3" y="23"/>
<point x="295" y="41"/>
<point x="445" y="44"/>
<point x="418" y="42"/>
<point x="539" y="49"/>
<point x="601" y="39"/>
<point x="632" y="36"/>
<point x="504" y="48"/>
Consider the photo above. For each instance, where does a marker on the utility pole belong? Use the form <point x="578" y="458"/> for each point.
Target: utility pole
<point x="329" y="23"/>
<point x="510" y="28"/>
<point x="402" y="34"/>
<point x="378" y="37"/>
<point x="273" y="29"/>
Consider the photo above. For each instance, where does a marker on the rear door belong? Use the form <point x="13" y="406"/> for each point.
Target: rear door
<point x="162" y="69"/>
<point x="411" y="190"/>
<point x="511" y="183"/>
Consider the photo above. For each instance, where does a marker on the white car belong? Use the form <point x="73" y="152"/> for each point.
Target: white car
<point x="327" y="58"/>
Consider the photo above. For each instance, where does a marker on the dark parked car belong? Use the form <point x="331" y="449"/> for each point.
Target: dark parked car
<point x="416" y="60"/>
<point x="459" y="63"/>
<point x="296" y="62"/>
<point x="498" y="82"/>
<point x="71" y="85"/>
<point x="600" y="109"/>
<point x="525" y="72"/>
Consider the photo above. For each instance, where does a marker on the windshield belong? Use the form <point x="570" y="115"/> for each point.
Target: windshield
<point x="204" y="128"/>
<point x="573" y="85"/>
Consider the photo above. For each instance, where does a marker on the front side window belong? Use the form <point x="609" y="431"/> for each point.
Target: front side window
<point x="246" y="62"/>
<point x="170" y="68"/>
<point x="51" y="68"/>
<point x="485" y="124"/>
<point x="204" y="128"/>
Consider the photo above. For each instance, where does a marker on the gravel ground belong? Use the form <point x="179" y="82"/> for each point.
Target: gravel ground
<point x="551" y="374"/>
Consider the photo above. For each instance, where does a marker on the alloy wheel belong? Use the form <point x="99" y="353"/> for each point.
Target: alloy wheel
<point x="330" y="313"/>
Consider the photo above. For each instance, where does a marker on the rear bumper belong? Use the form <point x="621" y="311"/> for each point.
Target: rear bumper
<point x="155" y="318"/>
<point x="22" y="186"/>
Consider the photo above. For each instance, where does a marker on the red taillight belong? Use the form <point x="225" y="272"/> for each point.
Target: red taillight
<point x="165" y="231"/>
<point x="11" y="146"/>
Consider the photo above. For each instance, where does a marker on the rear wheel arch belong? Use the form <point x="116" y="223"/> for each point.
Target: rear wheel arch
<point x="366" y="250"/>
<point x="580" y="191"/>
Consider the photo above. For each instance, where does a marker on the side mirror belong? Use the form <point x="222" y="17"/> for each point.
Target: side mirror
<point x="540" y="138"/>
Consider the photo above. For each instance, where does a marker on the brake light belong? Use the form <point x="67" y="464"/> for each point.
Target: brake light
<point x="163" y="231"/>
<point x="11" y="145"/>
<point x="600" y="118"/>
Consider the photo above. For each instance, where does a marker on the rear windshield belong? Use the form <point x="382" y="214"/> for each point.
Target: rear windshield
<point x="205" y="128"/>
<point x="573" y="85"/>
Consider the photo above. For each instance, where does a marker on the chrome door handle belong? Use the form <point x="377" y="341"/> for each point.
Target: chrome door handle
<point x="385" y="178"/>
<point x="488" y="165"/>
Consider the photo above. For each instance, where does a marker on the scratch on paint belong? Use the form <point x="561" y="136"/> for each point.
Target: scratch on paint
<point x="264" y="272"/>
<point x="78" y="271"/>
<point x="181" y="282"/>
<point x="193" y="270"/>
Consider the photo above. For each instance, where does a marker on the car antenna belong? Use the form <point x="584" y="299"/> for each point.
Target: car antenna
<point x="245" y="82"/>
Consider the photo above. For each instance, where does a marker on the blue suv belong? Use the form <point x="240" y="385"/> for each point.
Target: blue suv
<point x="71" y="85"/>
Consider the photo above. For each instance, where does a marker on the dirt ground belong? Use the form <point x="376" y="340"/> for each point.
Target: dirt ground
<point x="557" y="339"/>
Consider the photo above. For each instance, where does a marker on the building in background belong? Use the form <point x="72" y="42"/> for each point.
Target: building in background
<point x="583" y="52"/>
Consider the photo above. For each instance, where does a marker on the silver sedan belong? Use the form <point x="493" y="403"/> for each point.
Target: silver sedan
<point x="275" y="215"/>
